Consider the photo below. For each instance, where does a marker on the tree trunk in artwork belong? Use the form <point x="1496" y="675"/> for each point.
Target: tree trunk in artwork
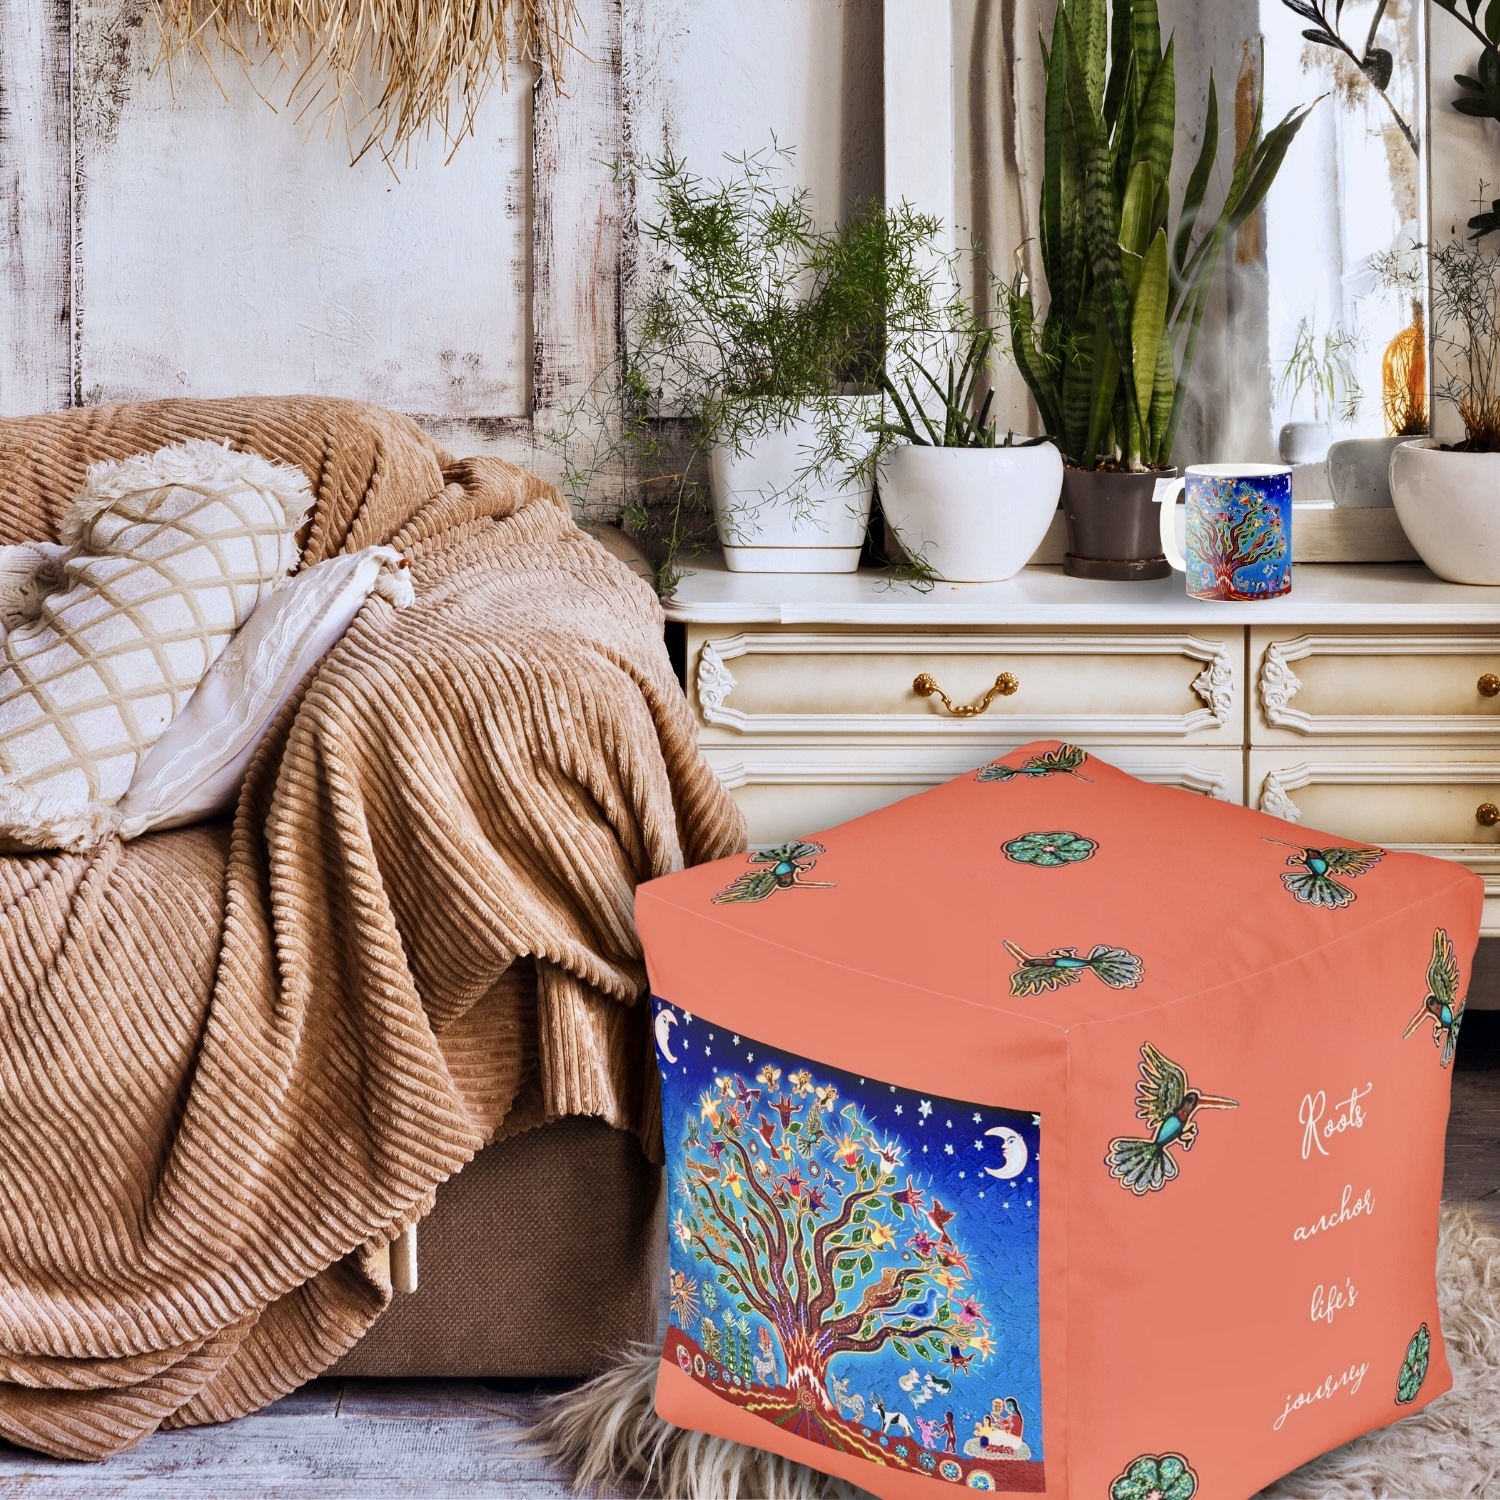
<point x="810" y="1243"/>
<point x="1229" y="542"/>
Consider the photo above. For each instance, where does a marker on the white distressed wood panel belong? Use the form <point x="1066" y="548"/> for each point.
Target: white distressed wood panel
<point x="705" y="78"/>
<point x="576" y="254"/>
<point x="919" y="107"/>
<point x="225" y="247"/>
<point x="35" y="193"/>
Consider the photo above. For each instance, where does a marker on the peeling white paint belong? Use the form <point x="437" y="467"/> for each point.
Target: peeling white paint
<point x="35" y="335"/>
<point x="227" y="247"/>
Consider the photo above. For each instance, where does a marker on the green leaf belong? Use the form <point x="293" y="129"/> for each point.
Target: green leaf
<point x="1377" y="67"/>
<point x="1135" y="220"/>
<point x="1090" y="24"/>
<point x="858" y="1216"/>
<point x="1161" y="405"/>
<point x="1076" y="393"/>
<point x="1145" y="27"/>
<point x="1101" y="217"/>
<point x="1158" y="118"/>
<point x="1063" y="252"/>
<point x="901" y="1348"/>
<point x="1147" y="322"/>
<point x="1101" y="398"/>
<point x="1267" y="163"/>
<point x="866" y="1265"/>
<point x="1197" y="184"/>
<point x="845" y="1282"/>
<point x="1120" y="59"/>
<point x="744" y="1307"/>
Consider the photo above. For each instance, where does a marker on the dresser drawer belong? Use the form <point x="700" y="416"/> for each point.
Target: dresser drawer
<point x="788" y="791"/>
<point x="1352" y="685"/>
<point x="779" y="685"/>
<point x="1428" y="802"/>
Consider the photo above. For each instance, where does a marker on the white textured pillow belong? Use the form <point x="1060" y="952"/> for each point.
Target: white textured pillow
<point x="168" y="554"/>
<point x="195" y="769"/>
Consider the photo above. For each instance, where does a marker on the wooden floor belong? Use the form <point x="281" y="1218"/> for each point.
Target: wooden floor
<point x="445" y="1439"/>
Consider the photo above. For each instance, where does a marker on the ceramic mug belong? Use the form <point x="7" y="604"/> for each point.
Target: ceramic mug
<point x="1239" y="530"/>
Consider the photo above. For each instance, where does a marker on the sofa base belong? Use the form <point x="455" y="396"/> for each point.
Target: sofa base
<point x="542" y="1258"/>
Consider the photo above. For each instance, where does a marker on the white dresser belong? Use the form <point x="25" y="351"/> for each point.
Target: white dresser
<point x="1366" y="703"/>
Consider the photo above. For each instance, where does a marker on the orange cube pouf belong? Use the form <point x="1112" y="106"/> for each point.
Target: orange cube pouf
<point x="1055" y="1133"/>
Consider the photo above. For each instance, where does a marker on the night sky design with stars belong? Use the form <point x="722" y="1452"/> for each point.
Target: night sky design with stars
<point x="949" y="1155"/>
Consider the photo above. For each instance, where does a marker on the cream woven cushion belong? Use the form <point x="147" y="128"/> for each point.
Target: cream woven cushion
<point x="195" y="769"/>
<point x="167" y="555"/>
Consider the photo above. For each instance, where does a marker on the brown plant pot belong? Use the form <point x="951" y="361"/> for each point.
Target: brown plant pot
<point x="1114" y="530"/>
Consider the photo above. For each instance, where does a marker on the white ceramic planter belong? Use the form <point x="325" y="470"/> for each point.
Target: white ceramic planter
<point x="1359" y="471"/>
<point x="973" y="515"/>
<point x="1449" y="507"/>
<point x="1304" y="442"/>
<point x="773" y="519"/>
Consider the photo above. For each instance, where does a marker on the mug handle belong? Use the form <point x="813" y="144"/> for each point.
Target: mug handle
<point x="1167" y="491"/>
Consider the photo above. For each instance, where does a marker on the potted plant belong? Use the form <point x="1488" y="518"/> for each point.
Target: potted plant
<point x="1322" y="369"/>
<point x="964" y="506"/>
<point x="1447" y="495"/>
<point x="1110" y="361"/>
<point x="764" y="337"/>
<point x="1359" y="467"/>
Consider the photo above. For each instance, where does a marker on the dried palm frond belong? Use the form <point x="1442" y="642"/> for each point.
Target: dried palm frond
<point x="426" y="56"/>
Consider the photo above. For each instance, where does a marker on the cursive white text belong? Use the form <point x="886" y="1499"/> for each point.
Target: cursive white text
<point x="1349" y="1208"/>
<point x="1347" y="1115"/>
<point x="1352" y="1379"/>
<point x="1331" y="1299"/>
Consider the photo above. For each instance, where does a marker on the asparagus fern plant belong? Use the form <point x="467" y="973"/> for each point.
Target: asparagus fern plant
<point x="1110" y="362"/>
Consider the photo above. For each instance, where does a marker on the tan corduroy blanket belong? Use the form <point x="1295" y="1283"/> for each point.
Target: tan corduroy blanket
<point x="234" y="1062"/>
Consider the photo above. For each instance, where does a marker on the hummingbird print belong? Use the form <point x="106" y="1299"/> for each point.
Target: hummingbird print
<point x="1039" y="973"/>
<point x="780" y="869"/>
<point x="1311" y="880"/>
<point x="1442" y="1005"/>
<point x="1166" y="1103"/>
<point x="1064" y="761"/>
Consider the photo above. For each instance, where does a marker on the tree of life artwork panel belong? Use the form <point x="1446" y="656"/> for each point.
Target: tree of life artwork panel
<point x="854" y="1261"/>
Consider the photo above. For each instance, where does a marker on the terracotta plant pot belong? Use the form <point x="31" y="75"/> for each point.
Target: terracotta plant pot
<point x="1113" y="528"/>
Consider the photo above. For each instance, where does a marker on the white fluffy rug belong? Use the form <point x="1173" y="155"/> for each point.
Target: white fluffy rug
<point x="607" y="1435"/>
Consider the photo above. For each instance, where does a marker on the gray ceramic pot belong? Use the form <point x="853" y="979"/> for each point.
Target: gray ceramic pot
<point x="1359" y="471"/>
<point x="1113" y="529"/>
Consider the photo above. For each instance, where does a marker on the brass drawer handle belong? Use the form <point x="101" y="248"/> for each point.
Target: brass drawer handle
<point x="1489" y="686"/>
<point x="1487" y="814"/>
<point x="925" y="686"/>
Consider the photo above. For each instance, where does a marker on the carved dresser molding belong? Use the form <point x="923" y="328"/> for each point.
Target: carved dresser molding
<point x="1365" y="704"/>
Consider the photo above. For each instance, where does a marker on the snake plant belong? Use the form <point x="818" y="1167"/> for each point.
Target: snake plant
<point x="1109" y="365"/>
<point x="957" y="418"/>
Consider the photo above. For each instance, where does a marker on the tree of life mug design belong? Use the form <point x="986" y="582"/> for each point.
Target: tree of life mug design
<point x="1239" y="530"/>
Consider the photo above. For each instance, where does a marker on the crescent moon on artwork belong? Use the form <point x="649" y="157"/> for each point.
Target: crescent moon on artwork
<point x="667" y="1019"/>
<point x="1016" y="1154"/>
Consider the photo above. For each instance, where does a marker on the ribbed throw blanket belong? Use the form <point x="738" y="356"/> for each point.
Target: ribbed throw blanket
<point x="236" y="1061"/>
